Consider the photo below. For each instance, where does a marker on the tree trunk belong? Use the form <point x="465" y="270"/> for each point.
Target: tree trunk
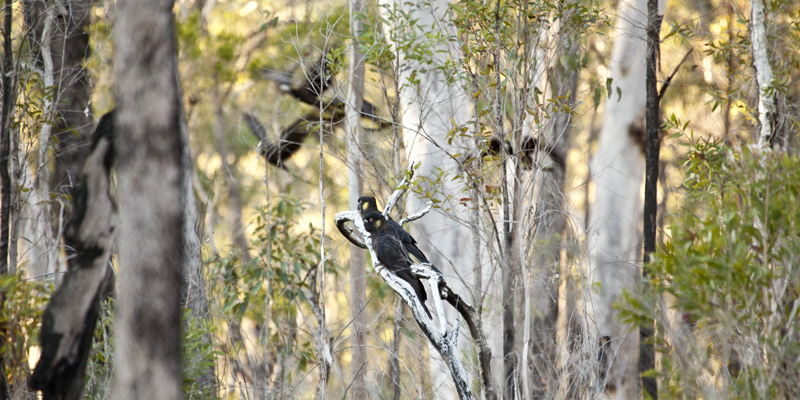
<point x="5" y="137"/>
<point x="767" y="102"/>
<point x="652" y="123"/>
<point x="60" y="43"/>
<point x="74" y="125"/>
<point x="617" y="170"/>
<point x="653" y="147"/>
<point x="544" y="255"/>
<point x="358" y="279"/>
<point x="71" y="316"/>
<point x="150" y="176"/>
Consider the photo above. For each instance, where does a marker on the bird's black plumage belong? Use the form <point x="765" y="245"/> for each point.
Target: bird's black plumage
<point x="367" y="204"/>
<point x="392" y="253"/>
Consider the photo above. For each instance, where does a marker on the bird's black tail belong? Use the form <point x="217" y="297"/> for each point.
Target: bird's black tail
<point x="416" y="283"/>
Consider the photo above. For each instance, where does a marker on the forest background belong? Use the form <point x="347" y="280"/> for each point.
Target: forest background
<point x="525" y="123"/>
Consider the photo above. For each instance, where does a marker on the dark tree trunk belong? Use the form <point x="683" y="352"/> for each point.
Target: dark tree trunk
<point x="69" y="47"/>
<point x="5" y="137"/>
<point x="150" y="173"/>
<point x="5" y="179"/>
<point x="74" y="124"/>
<point x="69" y="321"/>
<point x="652" y="147"/>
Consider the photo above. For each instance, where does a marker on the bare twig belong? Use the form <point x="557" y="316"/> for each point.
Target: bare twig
<point x="417" y="215"/>
<point x="402" y="187"/>
<point x="666" y="83"/>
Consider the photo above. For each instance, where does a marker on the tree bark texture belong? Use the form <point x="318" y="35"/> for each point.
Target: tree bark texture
<point x="617" y="168"/>
<point x="150" y="175"/>
<point x="73" y="111"/>
<point x="767" y="103"/>
<point x="653" y="147"/>
<point x="5" y="136"/>
<point x="69" y="321"/>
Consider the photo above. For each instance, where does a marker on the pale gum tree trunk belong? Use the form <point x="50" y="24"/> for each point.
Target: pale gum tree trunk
<point x="150" y="176"/>
<point x="429" y="110"/>
<point x="358" y="279"/>
<point x="538" y="200"/>
<point x="617" y="172"/>
<point x="767" y="109"/>
<point x="542" y="248"/>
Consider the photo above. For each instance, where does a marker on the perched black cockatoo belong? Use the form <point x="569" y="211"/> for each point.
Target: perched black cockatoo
<point x="367" y="204"/>
<point x="392" y="253"/>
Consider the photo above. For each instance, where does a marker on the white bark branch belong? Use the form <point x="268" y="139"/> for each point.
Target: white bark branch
<point x="418" y="214"/>
<point x="401" y="190"/>
<point x="764" y="75"/>
<point x="442" y="339"/>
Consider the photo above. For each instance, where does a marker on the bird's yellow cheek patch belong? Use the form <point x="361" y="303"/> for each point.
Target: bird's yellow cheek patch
<point x="378" y="223"/>
<point x="364" y="206"/>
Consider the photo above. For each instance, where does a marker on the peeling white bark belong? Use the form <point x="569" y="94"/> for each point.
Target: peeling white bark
<point x="764" y="76"/>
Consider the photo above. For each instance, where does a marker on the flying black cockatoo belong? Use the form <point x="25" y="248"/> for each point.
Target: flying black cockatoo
<point x="392" y="253"/>
<point x="367" y="204"/>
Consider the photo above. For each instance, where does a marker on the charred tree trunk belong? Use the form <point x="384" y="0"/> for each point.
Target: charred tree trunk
<point x="5" y="136"/>
<point x="150" y="171"/>
<point x="652" y="147"/>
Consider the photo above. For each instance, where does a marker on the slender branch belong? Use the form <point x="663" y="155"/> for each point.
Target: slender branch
<point x="402" y="187"/>
<point x="666" y="83"/>
<point x="418" y="214"/>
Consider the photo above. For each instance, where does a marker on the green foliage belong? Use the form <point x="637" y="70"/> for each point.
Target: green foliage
<point x="271" y="289"/>
<point x="729" y="269"/>
<point x="23" y="302"/>
<point x="199" y="356"/>
<point x="99" y="368"/>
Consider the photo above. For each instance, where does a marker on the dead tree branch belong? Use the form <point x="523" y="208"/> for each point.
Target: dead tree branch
<point x="444" y="340"/>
